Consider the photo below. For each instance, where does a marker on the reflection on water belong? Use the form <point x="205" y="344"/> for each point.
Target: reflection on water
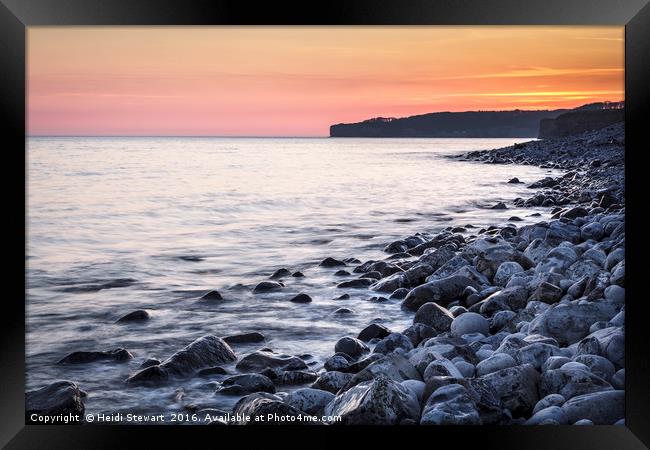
<point x="117" y="224"/>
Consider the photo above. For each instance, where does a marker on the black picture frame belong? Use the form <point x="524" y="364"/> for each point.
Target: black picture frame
<point x="16" y="15"/>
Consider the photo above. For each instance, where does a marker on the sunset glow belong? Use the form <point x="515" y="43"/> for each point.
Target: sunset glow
<point x="296" y="81"/>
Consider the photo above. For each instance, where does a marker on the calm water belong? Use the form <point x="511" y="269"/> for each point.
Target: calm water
<point x="170" y="218"/>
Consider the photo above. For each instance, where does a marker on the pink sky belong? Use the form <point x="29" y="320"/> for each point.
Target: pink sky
<point x="296" y="81"/>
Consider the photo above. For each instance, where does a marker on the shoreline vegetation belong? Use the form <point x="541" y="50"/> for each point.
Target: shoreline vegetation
<point x="511" y="324"/>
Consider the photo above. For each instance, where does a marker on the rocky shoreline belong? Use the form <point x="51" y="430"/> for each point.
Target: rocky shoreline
<point x="511" y="325"/>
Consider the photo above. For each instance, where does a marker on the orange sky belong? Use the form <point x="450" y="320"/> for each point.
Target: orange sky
<point x="296" y="81"/>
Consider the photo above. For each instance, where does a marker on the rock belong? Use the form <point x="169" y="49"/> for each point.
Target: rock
<point x="576" y="211"/>
<point x="331" y="262"/>
<point x="139" y="315"/>
<point x="309" y="401"/>
<point x="332" y="381"/>
<point x="351" y="346"/>
<point x="442" y="292"/>
<point x="372" y="331"/>
<point x="301" y="298"/>
<point x="441" y="368"/>
<point x="358" y="283"/>
<point x="593" y="230"/>
<point x="244" y="338"/>
<point x="298" y="274"/>
<point x="262" y="408"/>
<point x="469" y="323"/>
<point x="618" y="380"/>
<point x="377" y="402"/>
<point x="494" y="363"/>
<point x="570" y="382"/>
<point x="416" y="387"/>
<point x="435" y="316"/>
<point x="508" y="299"/>
<point x="615" y="294"/>
<point x="551" y="414"/>
<point x="547" y="293"/>
<point x="293" y="377"/>
<point x="615" y="257"/>
<point x="537" y="250"/>
<point x="466" y="369"/>
<point x="118" y="354"/>
<point x="499" y="205"/>
<point x="280" y="273"/>
<point x="450" y="405"/>
<point x="393" y="366"/>
<point x="396" y="247"/>
<point x="601" y="408"/>
<point x="568" y="323"/>
<point x="56" y="399"/>
<point x="149" y="362"/>
<point x="488" y="261"/>
<point x="549" y="400"/>
<point x="597" y="365"/>
<point x="505" y="271"/>
<point x="212" y="296"/>
<point x="394" y="342"/>
<point x="418" y="332"/>
<point x="216" y="370"/>
<point x="204" y="352"/>
<point x="261" y="360"/>
<point x="399" y="294"/>
<point x="341" y="273"/>
<point x="514" y="181"/>
<point x="343" y="311"/>
<point x="516" y="387"/>
<point x="536" y="354"/>
<point x="246" y="384"/>
<point x="337" y="363"/>
<point x="267" y="286"/>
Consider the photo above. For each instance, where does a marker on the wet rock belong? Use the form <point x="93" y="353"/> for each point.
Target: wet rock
<point x="280" y="273"/>
<point x="261" y="406"/>
<point x="550" y="415"/>
<point x="118" y="355"/>
<point x="301" y="298"/>
<point x="399" y="294"/>
<point x="244" y="338"/>
<point x="393" y="366"/>
<point x="394" y="342"/>
<point x="332" y="381"/>
<point x="514" y="180"/>
<point x="343" y="311"/>
<point x="505" y="271"/>
<point x="499" y="205"/>
<point x="592" y="230"/>
<point x="571" y="382"/>
<point x="260" y="360"/>
<point x="441" y="368"/>
<point x="494" y="363"/>
<point x="549" y="400"/>
<point x="331" y="262"/>
<point x="204" y="352"/>
<point x="435" y="316"/>
<point x="537" y="353"/>
<point x="58" y="398"/>
<point x="246" y="384"/>
<point x="351" y="346"/>
<point x="336" y="363"/>
<point x="372" y="331"/>
<point x="442" y="292"/>
<point x="139" y="315"/>
<point x="298" y="274"/>
<point x="568" y="323"/>
<point x="537" y="250"/>
<point x="618" y="380"/>
<point x="597" y="365"/>
<point x="468" y="323"/>
<point x="517" y="387"/>
<point x="267" y="286"/>
<point x="419" y="332"/>
<point x="509" y="299"/>
<point x="547" y="293"/>
<point x="216" y="370"/>
<point x="377" y="402"/>
<point x="358" y="283"/>
<point x="450" y="405"/>
<point x="309" y="401"/>
<point x="341" y="273"/>
<point x="149" y="362"/>
<point x="213" y="295"/>
<point x="576" y="211"/>
<point x="293" y="377"/>
<point x="601" y="408"/>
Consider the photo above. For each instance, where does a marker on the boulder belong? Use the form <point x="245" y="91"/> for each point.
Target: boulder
<point x="309" y="401"/>
<point x="419" y="332"/>
<point x="381" y="401"/>
<point x="118" y="355"/>
<point x="331" y="262"/>
<point x="517" y="387"/>
<point x="435" y="316"/>
<point x="505" y="271"/>
<point x="204" y="352"/>
<point x="372" y="331"/>
<point x="139" y="315"/>
<point x="569" y="323"/>
<point x="301" y="298"/>
<point x="442" y="292"/>
<point x="468" y="323"/>
<point x="246" y="384"/>
<point x="393" y="366"/>
<point x="601" y="408"/>
<point x="494" y="363"/>
<point x="244" y="338"/>
<point x="332" y="381"/>
<point x="351" y="346"/>
<point x="261" y="360"/>
<point x="549" y="400"/>
<point x="550" y="415"/>
<point x="509" y="299"/>
<point x="450" y="405"/>
<point x="267" y="286"/>
<point x="262" y="408"/>
<point x="571" y="382"/>
<point x="394" y="342"/>
<point x="59" y="398"/>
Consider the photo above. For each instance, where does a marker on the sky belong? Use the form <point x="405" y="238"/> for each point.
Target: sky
<point x="297" y="81"/>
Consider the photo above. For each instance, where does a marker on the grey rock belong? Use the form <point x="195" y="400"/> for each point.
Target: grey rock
<point x="551" y="414"/>
<point x="450" y="405"/>
<point x="571" y="382"/>
<point x="267" y="286"/>
<point x="592" y="230"/>
<point x="549" y="400"/>
<point x="119" y="355"/>
<point x="261" y="408"/>
<point x="494" y="363"/>
<point x="441" y="368"/>
<point x="261" y="360"/>
<point x="517" y="388"/>
<point x="244" y="338"/>
<point x="568" y="323"/>
<point x="435" y="316"/>
<point x="309" y="401"/>
<point x="301" y="298"/>
<point x="505" y="271"/>
<point x="331" y="262"/>
<point x="469" y="323"/>
<point x="351" y="346"/>
<point x="372" y="331"/>
<point x="139" y="315"/>
<point x="332" y="381"/>
<point x="537" y="353"/>
<point x="618" y="379"/>
<point x="601" y="408"/>
<point x="418" y="332"/>
<point x="381" y="401"/>
<point x="597" y="365"/>
<point x="442" y="292"/>
<point x="394" y="342"/>
<point x="59" y="398"/>
<point x="246" y="384"/>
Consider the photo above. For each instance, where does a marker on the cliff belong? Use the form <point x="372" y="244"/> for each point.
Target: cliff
<point x="470" y="124"/>
<point x="579" y="121"/>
